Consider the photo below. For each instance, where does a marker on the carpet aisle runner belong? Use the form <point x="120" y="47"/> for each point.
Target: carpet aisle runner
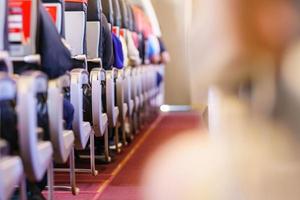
<point x="120" y="180"/>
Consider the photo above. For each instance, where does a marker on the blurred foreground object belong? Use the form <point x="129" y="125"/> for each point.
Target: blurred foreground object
<point x="240" y="39"/>
<point x="249" y="159"/>
<point x="252" y="149"/>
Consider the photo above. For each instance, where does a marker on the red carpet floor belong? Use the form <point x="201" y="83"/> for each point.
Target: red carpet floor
<point x="120" y="180"/>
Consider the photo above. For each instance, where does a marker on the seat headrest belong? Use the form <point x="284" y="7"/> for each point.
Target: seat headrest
<point x="131" y="18"/>
<point x="53" y="1"/>
<point x="107" y="9"/>
<point x="76" y="1"/>
<point x="3" y="26"/>
<point x="94" y="10"/>
<point x="23" y="26"/>
<point x="76" y="5"/>
<point x="124" y="13"/>
<point x="117" y="13"/>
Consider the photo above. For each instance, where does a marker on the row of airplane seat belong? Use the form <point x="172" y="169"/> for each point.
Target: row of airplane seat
<point x="78" y="79"/>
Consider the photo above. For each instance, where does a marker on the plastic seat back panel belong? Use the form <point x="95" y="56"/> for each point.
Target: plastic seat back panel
<point x="22" y="21"/>
<point x="55" y="11"/>
<point x="75" y="30"/>
<point x="93" y="39"/>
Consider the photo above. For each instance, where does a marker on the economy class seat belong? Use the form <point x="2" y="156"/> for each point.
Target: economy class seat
<point x="138" y="71"/>
<point x="148" y="41"/>
<point x="116" y="95"/>
<point x="133" y="61"/>
<point x="35" y="149"/>
<point x="136" y="61"/>
<point x="119" y="68"/>
<point x="120" y="26"/>
<point x="132" y="57"/>
<point x="136" y="78"/>
<point x="11" y="167"/>
<point x="75" y="34"/>
<point x="122" y="75"/>
<point x="61" y="138"/>
<point x="113" y="104"/>
<point x="99" y="79"/>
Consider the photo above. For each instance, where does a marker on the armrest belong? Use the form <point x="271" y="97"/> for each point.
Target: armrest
<point x="81" y="129"/>
<point x="96" y="79"/>
<point x="4" y="148"/>
<point x="127" y="85"/>
<point x="94" y="63"/>
<point x="79" y="77"/>
<point x="81" y="58"/>
<point x="114" y="73"/>
<point x="110" y="97"/>
<point x="103" y="74"/>
<point x="128" y="89"/>
<point x="4" y="57"/>
<point x="36" y="155"/>
<point x="121" y="73"/>
<point x="56" y="122"/>
<point x="134" y="84"/>
<point x="7" y="87"/>
<point x="63" y="81"/>
<point x="39" y="79"/>
<point x="120" y="94"/>
<point x="32" y="59"/>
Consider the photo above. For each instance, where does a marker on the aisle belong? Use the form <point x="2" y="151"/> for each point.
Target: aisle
<point x="120" y="180"/>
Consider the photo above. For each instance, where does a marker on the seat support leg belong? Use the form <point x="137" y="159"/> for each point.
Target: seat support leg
<point x="92" y="169"/>
<point x="50" y="181"/>
<point x="74" y="188"/>
<point x="116" y="138"/>
<point x="124" y="139"/>
<point x="131" y="127"/>
<point x="135" y="122"/>
<point x="139" y="119"/>
<point x="106" y="146"/>
<point x="92" y="155"/>
<point x="23" y="194"/>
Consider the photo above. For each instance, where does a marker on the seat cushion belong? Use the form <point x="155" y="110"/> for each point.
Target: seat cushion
<point x="11" y="172"/>
<point x="131" y="107"/>
<point x="44" y="154"/>
<point x="69" y="138"/>
<point x="104" y="122"/>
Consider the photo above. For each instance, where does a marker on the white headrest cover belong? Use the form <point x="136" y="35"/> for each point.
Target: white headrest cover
<point x="75" y="28"/>
<point x="93" y="39"/>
